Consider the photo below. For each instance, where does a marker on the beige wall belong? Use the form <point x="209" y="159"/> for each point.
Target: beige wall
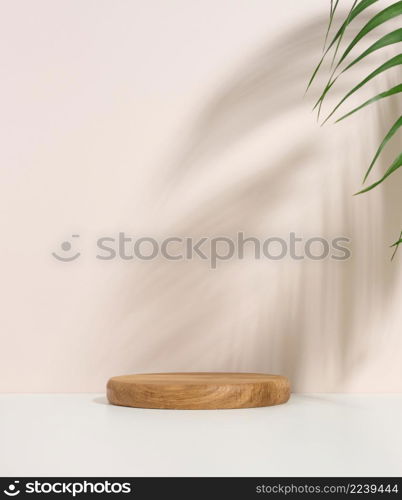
<point x="186" y="117"/>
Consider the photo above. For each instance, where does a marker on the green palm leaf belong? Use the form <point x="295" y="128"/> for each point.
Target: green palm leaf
<point x="354" y="12"/>
<point x="395" y="165"/>
<point x="385" y="15"/>
<point x="331" y="18"/>
<point x="377" y="20"/>
<point x="396" y="245"/>
<point x="394" y="37"/>
<point x="395" y="61"/>
<point x="397" y="125"/>
<point x="389" y="39"/>
<point x="342" y="31"/>
<point x="395" y="90"/>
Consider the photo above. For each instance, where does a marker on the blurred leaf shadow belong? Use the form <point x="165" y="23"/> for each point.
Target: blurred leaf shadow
<point x="306" y="320"/>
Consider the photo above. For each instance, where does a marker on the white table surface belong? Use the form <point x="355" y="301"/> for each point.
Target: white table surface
<point x="312" y="435"/>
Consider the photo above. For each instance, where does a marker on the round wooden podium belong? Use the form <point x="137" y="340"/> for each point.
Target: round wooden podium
<point x="198" y="391"/>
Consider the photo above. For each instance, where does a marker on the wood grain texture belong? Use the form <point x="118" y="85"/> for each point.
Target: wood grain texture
<point x="198" y="391"/>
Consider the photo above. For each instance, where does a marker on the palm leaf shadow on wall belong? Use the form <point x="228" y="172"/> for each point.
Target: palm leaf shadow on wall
<point x="306" y="320"/>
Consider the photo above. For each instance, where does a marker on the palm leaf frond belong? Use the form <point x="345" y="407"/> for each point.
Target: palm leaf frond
<point x="397" y="163"/>
<point x="382" y="17"/>
<point x="397" y="125"/>
<point x="395" y="61"/>
<point x="385" y="15"/>
<point x="388" y="93"/>
<point x="378" y="19"/>
<point x="396" y="245"/>
<point x="332" y="11"/>
<point x="354" y="12"/>
<point x="389" y="39"/>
